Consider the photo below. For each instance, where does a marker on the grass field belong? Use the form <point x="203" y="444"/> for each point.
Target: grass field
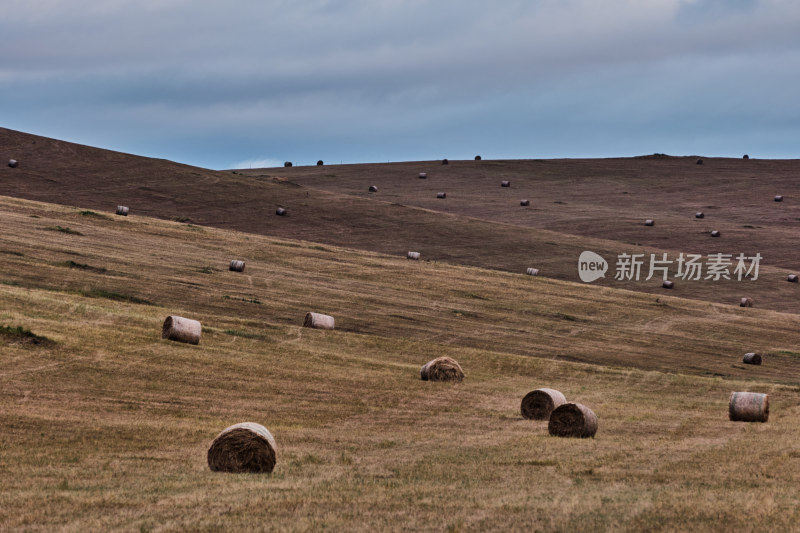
<point x="106" y="425"/>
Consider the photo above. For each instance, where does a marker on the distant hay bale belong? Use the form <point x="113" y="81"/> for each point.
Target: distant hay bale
<point x="13" y="163"/>
<point x="572" y="420"/>
<point x="699" y="161"/>
<point x="441" y="195"/>
<point x="505" y="183"/>
<point x="746" y="302"/>
<point x="649" y="222"/>
<point x="715" y="233"/>
<point x="318" y="321"/>
<point x="237" y="266"/>
<point x="748" y="407"/>
<point x="245" y="447"/>
<point x="538" y="404"/>
<point x="177" y="328"/>
<point x="287" y="164"/>
<point x="751" y="359"/>
<point x="122" y="210"/>
<point x="281" y="212"/>
<point x="441" y="369"/>
<point x="524" y="203"/>
<point x="445" y="162"/>
<point x="745" y="156"/>
<point x="699" y="214"/>
<point x="423" y="175"/>
<point x="477" y="158"/>
<point x="413" y="256"/>
<point x="532" y="271"/>
<point x="779" y="198"/>
<point x="792" y="278"/>
<point x="320" y="163"/>
<point x="668" y="284"/>
<point x="373" y="188"/>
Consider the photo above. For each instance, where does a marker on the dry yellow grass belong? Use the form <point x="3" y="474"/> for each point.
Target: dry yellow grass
<point x="108" y="427"/>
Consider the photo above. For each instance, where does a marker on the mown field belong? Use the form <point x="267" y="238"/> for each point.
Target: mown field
<point x="106" y="425"/>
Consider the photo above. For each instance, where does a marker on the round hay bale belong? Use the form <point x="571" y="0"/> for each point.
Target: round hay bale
<point x="122" y="210"/>
<point x="779" y="198"/>
<point x="748" y="407"/>
<point x="505" y="183"/>
<point x="320" y="163"/>
<point x="441" y="369"/>
<point x="668" y="284"/>
<point x="746" y="302"/>
<point x="318" y="321"/>
<point x="699" y="214"/>
<point x="445" y="162"/>
<point x="532" y="271"/>
<point x="287" y="164"/>
<point x="538" y="404"/>
<point x="441" y="195"/>
<point x="281" y="212"/>
<point x="373" y="188"/>
<point x="177" y="328"/>
<point x="649" y="222"/>
<point x="423" y="175"/>
<point x="745" y="156"/>
<point x="236" y="266"/>
<point x="477" y="158"/>
<point x="572" y="420"/>
<point x="245" y="447"/>
<point x="413" y="256"/>
<point x="699" y="161"/>
<point x="792" y="278"/>
<point x="715" y="233"/>
<point x="13" y="163"/>
<point x="751" y="359"/>
<point x="524" y="203"/>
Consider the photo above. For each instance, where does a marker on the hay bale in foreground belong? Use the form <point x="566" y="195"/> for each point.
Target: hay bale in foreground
<point x="13" y="163"/>
<point x="715" y="233"/>
<point x="538" y="404"/>
<point x="236" y="266"/>
<point x="122" y="210"/>
<point x="668" y="284"/>
<point x="423" y="175"/>
<point x="524" y="203"/>
<point x="532" y="271"/>
<point x="441" y="195"/>
<point x="792" y="278"/>
<point x="281" y="212"/>
<point x="414" y="256"/>
<point x="649" y="222"/>
<point x="746" y="302"/>
<point x="751" y="359"/>
<point x="441" y="369"/>
<point x="748" y="407"/>
<point x="505" y="183"/>
<point x="177" y="328"/>
<point x="373" y="188"/>
<point x="318" y="321"/>
<point x="699" y="214"/>
<point x="245" y="447"/>
<point x="779" y="198"/>
<point x="572" y="420"/>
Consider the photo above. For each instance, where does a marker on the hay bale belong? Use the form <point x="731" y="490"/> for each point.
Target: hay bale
<point x="748" y="407"/>
<point x="745" y="156"/>
<point x="445" y="162"/>
<point x="122" y="210"/>
<point x="441" y="195"/>
<point x="177" y="328"/>
<point x="373" y="188"/>
<point x="532" y="271"/>
<point x="668" y="284"/>
<point x="505" y="183"/>
<point x="779" y="198"/>
<point x="423" y="175"/>
<point x="649" y="222"/>
<point x="236" y="266"/>
<point x="751" y="359"/>
<point x="320" y="163"/>
<point x="746" y="302"/>
<point x="441" y="369"/>
<point x="281" y="212"/>
<point x="413" y="256"/>
<point x="524" y="203"/>
<point x="13" y="163"/>
<point x="699" y="214"/>
<point x="245" y="447"/>
<point x="318" y="321"/>
<point x="287" y="164"/>
<point x="715" y="233"/>
<point x="477" y="158"/>
<point x="538" y="404"/>
<point x="792" y="278"/>
<point x="699" y="161"/>
<point x="572" y="420"/>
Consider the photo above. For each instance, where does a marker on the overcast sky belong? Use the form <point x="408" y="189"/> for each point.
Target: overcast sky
<point x="258" y="82"/>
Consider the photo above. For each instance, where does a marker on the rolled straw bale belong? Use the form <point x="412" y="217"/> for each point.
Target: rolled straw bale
<point x="445" y="162"/>
<point x="177" y="328"/>
<point x="715" y="233"/>
<point x="538" y="404"/>
<point x="572" y="420"/>
<point x="792" y="278"/>
<point x="745" y="156"/>
<point x="779" y="198"/>
<point x="423" y="175"/>
<point x="477" y="158"/>
<point x="13" y="163"/>
<point x="441" y="195"/>
<point x="748" y="407"/>
<point x="413" y="255"/>
<point x="699" y="161"/>
<point x="668" y="284"/>
<point x="441" y="369"/>
<point x="505" y="183"/>
<point x="245" y="447"/>
<point x="237" y="266"/>
<point x="751" y="359"/>
<point x="122" y="210"/>
<point x="699" y="214"/>
<point x="532" y="271"/>
<point x="318" y="321"/>
<point x="281" y="212"/>
<point x="524" y="203"/>
<point x="373" y="188"/>
<point x="746" y="302"/>
<point x="287" y="164"/>
<point x="320" y="163"/>
<point x="649" y="222"/>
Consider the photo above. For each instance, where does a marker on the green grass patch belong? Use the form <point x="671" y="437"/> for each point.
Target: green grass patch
<point x="18" y="334"/>
<point x="62" y="229"/>
<point x="116" y="296"/>
<point x="240" y="299"/>
<point x="87" y="213"/>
